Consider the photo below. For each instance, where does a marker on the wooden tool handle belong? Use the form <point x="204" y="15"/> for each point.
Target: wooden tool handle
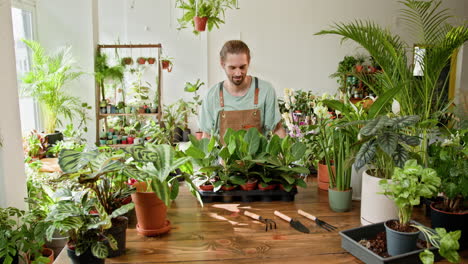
<point x="283" y="216"/>
<point x="252" y="215"/>
<point x="311" y="217"/>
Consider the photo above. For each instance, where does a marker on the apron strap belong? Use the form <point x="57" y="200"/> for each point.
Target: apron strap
<point x="256" y="92"/>
<point x="221" y="95"/>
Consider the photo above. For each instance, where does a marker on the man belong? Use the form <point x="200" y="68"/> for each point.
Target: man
<point x="241" y="101"/>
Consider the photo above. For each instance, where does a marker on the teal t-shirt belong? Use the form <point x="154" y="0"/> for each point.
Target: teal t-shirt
<point x="267" y="103"/>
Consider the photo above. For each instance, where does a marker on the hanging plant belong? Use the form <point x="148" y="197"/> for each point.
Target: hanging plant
<point x="200" y="13"/>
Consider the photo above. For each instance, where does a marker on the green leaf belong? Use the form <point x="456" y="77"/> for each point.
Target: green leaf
<point x="400" y="156"/>
<point x="112" y="242"/>
<point x="365" y="154"/>
<point x="99" y="250"/>
<point x="274" y="145"/>
<point x="409" y="140"/>
<point x="382" y="101"/>
<point x="252" y="138"/>
<point x="72" y="160"/>
<point x="405" y="121"/>
<point x="388" y="142"/>
<point x="426" y="256"/>
<point x="122" y="210"/>
<point x="298" y="150"/>
<point x="375" y="125"/>
<point x="174" y="189"/>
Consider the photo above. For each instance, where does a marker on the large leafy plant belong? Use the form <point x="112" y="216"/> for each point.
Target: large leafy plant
<point x="408" y="185"/>
<point x="153" y="164"/>
<point x="104" y="72"/>
<point x="242" y="152"/>
<point x="72" y="214"/>
<point x="280" y="162"/>
<point x="384" y="143"/>
<point x="20" y="235"/>
<point x="214" y="10"/>
<point x="204" y="155"/>
<point x="450" y="159"/>
<point x="98" y="172"/>
<point x="45" y="83"/>
<point x="417" y="96"/>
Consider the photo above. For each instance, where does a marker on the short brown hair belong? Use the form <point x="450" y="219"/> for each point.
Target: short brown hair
<point x="234" y="47"/>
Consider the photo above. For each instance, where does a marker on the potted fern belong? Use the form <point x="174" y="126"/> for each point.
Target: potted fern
<point x="202" y="13"/>
<point x="49" y="75"/>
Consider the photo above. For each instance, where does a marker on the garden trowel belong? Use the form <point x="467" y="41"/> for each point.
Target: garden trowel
<point x="293" y="223"/>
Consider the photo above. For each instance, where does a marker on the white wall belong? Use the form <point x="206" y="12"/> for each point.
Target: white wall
<point x="61" y="23"/>
<point x="12" y="176"/>
<point x="285" y="50"/>
<point x="155" y="21"/>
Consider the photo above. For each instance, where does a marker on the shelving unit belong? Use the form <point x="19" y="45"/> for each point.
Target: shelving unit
<point x="100" y="117"/>
<point x="357" y="85"/>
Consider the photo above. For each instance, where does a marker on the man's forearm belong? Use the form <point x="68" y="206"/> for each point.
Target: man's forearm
<point x="279" y="130"/>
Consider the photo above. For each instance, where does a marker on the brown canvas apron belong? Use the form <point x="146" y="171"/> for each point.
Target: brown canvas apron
<point x="239" y="119"/>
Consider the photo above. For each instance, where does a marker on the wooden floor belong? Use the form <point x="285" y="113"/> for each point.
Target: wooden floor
<point x="219" y="233"/>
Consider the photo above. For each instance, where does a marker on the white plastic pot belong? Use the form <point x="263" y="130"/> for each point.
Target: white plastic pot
<point x="375" y="207"/>
<point x="356" y="182"/>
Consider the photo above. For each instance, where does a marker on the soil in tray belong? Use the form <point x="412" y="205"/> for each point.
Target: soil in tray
<point x="378" y="245"/>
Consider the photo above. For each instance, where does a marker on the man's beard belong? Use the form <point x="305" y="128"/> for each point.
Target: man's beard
<point x="238" y="81"/>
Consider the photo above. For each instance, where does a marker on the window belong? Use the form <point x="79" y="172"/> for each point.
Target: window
<point x="22" y="18"/>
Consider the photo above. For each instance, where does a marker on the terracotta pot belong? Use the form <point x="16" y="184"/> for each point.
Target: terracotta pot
<point x="228" y="188"/>
<point x="269" y="187"/>
<point x="141" y="61"/>
<point x="151" y="60"/>
<point x="200" y="23"/>
<point x="166" y="65"/>
<point x="206" y="188"/>
<point x="359" y="68"/>
<point x="323" y="178"/>
<point x="46" y="252"/>
<point x="151" y="214"/>
<point x="198" y="135"/>
<point x="249" y="186"/>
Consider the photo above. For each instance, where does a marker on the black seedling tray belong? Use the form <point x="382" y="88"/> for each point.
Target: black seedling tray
<point x="247" y="196"/>
<point x="350" y="242"/>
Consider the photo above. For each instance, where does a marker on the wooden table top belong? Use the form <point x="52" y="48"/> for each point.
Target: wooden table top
<point x="219" y="233"/>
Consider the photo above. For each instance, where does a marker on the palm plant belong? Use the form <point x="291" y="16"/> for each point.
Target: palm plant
<point x="417" y="96"/>
<point x="45" y="83"/>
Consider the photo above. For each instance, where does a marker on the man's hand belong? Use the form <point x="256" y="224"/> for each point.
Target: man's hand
<point x="206" y="135"/>
<point x="279" y="130"/>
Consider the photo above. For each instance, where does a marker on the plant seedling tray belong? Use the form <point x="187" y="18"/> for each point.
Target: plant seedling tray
<point x="350" y="242"/>
<point x="247" y="196"/>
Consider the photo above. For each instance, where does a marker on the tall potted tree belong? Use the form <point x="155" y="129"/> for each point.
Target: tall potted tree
<point x="46" y="83"/>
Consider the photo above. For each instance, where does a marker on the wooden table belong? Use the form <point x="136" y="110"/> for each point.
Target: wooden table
<point x="217" y="233"/>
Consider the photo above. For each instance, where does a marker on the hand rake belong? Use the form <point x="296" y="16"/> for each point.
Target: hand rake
<point x="319" y="222"/>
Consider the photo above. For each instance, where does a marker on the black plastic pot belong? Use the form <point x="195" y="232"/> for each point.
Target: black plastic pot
<point x="400" y="242"/>
<point x="54" y="137"/>
<point x="451" y="222"/>
<point x="85" y="258"/>
<point x="185" y="135"/>
<point x="119" y="232"/>
<point x="178" y="132"/>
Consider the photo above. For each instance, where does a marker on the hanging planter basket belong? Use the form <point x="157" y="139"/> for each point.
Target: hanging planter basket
<point x="200" y="23"/>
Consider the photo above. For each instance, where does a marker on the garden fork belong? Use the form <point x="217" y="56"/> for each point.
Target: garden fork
<point x="269" y="224"/>
<point x="319" y="222"/>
